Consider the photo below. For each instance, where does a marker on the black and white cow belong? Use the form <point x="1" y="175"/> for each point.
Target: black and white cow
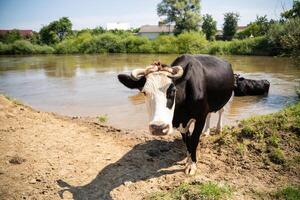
<point x="249" y="87"/>
<point x="186" y="92"/>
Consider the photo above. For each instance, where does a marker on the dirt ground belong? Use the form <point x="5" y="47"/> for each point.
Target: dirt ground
<point x="47" y="156"/>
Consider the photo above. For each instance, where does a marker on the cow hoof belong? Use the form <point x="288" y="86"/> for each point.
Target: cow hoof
<point x="191" y="169"/>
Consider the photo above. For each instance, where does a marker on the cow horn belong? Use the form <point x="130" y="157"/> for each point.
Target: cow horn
<point x="137" y="74"/>
<point x="177" y="72"/>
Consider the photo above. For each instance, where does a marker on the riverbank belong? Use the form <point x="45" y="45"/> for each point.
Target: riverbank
<point x="86" y="42"/>
<point x="193" y="43"/>
<point x="47" y="156"/>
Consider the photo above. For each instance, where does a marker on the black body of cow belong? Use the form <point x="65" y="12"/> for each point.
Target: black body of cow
<point x="244" y="87"/>
<point x="206" y="86"/>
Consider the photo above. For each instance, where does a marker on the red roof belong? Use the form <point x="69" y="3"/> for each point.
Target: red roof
<point x="23" y="33"/>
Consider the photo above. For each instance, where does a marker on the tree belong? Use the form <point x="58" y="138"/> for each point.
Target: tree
<point x="209" y="26"/>
<point x="293" y="12"/>
<point x="257" y="28"/>
<point x="230" y="25"/>
<point x="10" y="36"/>
<point x="184" y="13"/>
<point x="263" y="25"/>
<point x="56" y="31"/>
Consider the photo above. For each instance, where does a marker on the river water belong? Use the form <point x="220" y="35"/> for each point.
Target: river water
<point x="87" y="85"/>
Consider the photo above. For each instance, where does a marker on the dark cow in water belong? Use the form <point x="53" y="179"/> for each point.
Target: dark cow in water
<point x="245" y="87"/>
<point x="185" y="93"/>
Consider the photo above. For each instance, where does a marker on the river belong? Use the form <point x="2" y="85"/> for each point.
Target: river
<point x="87" y="85"/>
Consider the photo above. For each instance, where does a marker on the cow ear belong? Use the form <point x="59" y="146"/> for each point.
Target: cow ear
<point x="131" y="83"/>
<point x="188" y="71"/>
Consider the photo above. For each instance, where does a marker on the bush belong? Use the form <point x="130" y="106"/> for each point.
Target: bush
<point x="43" y="49"/>
<point x="138" y="44"/>
<point x="5" y="48"/>
<point x="219" y="48"/>
<point x="286" y="37"/>
<point x="290" y="41"/>
<point x="24" y="47"/>
<point x="249" y="46"/>
<point x="107" y="42"/>
<point x="192" y="42"/>
<point x="66" y="46"/>
<point x="165" y="44"/>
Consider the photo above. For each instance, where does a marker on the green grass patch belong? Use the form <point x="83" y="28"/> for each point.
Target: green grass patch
<point x="102" y="118"/>
<point x="288" y="193"/>
<point x="270" y="136"/>
<point x="276" y="156"/>
<point x="207" y="191"/>
<point x="274" y="140"/>
<point x="240" y="149"/>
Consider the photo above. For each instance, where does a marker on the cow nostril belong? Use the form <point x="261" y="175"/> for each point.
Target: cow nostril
<point x="165" y="129"/>
<point x="159" y="129"/>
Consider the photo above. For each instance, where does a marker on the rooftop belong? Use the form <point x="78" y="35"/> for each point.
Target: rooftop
<point x="22" y="32"/>
<point x="156" y="29"/>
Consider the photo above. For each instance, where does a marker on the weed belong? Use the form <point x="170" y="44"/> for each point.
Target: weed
<point x="274" y="140"/>
<point x="247" y="132"/>
<point x="240" y="149"/>
<point x="276" y="156"/>
<point x="208" y="190"/>
<point x="288" y="192"/>
<point x="102" y="118"/>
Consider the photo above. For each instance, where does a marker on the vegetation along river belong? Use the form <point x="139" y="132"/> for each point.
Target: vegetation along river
<point x="87" y="85"/>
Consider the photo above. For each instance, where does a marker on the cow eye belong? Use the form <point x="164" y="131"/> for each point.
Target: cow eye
<point x="171" y="91"/>
<point x="171" y="95"/>
<point x="144" y="93"/>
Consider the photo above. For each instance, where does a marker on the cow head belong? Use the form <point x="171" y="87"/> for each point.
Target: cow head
<point x="156" y="82"/>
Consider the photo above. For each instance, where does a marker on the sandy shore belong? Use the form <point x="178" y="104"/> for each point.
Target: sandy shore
<point x="47" y="156"/>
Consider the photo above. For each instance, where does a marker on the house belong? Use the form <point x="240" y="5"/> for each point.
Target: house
<point x="152" y="31"/>
<point x="23" y="33"/>
<point x="219" y="34"/>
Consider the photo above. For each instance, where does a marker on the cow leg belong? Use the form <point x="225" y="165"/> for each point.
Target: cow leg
<point x="185" y="133"/>
<point x="219" y="125"/>
<point x="184" y="139"/>
<point x="206" y="129"/>
<point x="192" y="144"/>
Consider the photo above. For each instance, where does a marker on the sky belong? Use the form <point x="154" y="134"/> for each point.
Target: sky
<point x="33" y="14"/>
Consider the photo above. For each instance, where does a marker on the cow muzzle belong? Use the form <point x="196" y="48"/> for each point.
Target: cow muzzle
<point x="159" y="128"/>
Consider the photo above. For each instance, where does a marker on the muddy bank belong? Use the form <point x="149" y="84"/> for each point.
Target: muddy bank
<point x="47" y="156"/>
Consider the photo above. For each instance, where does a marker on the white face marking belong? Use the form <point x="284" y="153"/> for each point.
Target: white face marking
<point x="155" y="90"/>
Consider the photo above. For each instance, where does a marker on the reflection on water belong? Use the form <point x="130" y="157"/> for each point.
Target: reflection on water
<point x="87" y="85"/>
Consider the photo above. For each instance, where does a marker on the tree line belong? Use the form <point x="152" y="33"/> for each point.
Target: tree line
<point x="193" y="34"/>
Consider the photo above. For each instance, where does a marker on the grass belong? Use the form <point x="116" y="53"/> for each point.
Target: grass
<point x="207" y="191"/>
<point x="272" y="136"/>
<point x="274" y="140"/>
<point x="288" y="193"/>
<point x="102" y="118"/>
<point x="276" y="156"/>
<point x="240" y="149"/>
